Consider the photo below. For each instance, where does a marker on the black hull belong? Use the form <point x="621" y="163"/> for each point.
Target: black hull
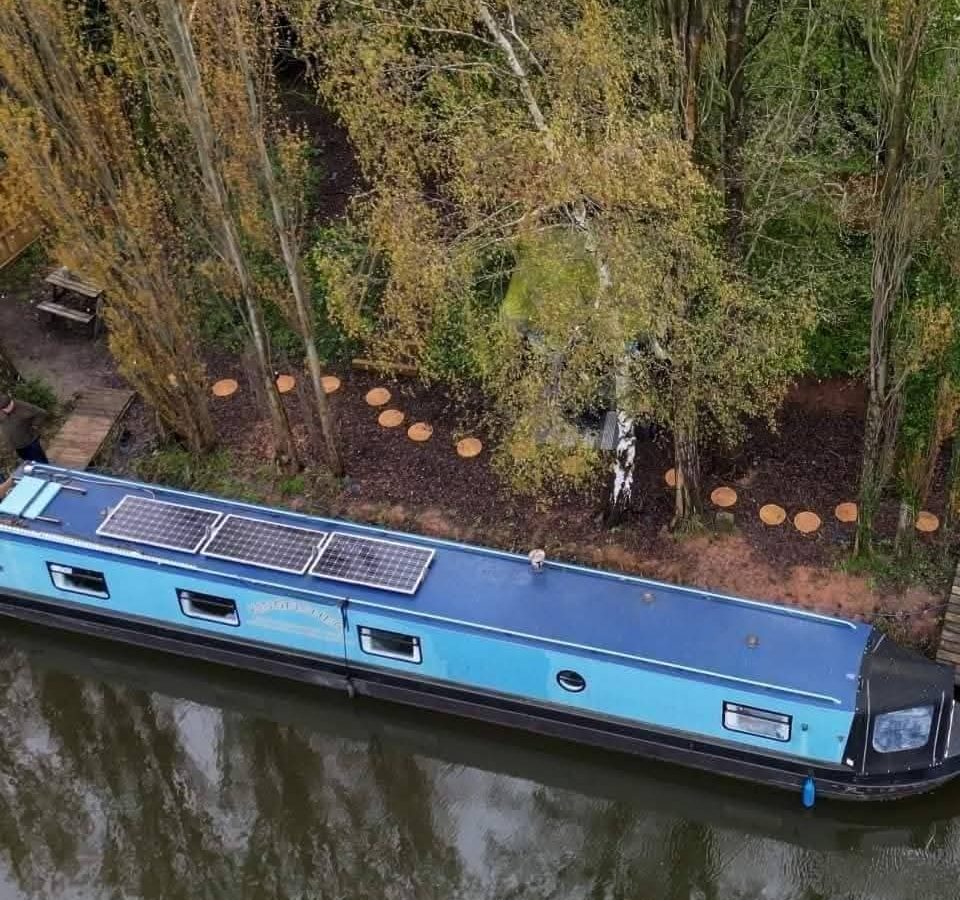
<point x="497" y="709"/>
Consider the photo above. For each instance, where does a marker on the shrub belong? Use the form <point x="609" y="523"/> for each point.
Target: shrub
<point x="38" y="392"/>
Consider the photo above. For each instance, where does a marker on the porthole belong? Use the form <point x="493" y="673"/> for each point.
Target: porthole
<point x="571" y="681"/>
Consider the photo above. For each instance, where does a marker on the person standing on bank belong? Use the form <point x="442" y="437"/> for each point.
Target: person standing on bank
<point x="19" y="425"/>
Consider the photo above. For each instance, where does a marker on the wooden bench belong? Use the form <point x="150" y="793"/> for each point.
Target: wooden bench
<point x="65" y="312"/>
<point x="64" y="282"/>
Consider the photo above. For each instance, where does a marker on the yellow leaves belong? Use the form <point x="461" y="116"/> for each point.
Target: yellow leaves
<point x="543" y="456"/>
<point x="602" y="217"/>
<point x="929" y="333"/>
<point x="894" y="18"/>
<point x="72" y="144"/>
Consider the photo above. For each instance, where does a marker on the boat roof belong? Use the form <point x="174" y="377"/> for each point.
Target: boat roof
<point x="754" y="646"/>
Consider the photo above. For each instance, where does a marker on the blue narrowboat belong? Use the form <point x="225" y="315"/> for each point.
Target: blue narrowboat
<point x="775" y="695"/>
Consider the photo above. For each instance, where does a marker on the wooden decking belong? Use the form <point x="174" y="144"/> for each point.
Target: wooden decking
<point x="949" y="648"/>
<point x="96" y="413"/>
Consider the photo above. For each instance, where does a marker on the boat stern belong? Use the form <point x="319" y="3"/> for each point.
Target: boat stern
<point x="905" y="737"/>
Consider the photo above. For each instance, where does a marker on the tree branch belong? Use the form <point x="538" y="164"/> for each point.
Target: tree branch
<point x="517" y="68"/>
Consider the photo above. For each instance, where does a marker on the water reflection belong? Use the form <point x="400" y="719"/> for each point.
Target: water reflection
<point x="123" y="774"/>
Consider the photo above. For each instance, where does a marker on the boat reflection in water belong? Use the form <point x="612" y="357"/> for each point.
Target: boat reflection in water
<point x="328" y="722"/>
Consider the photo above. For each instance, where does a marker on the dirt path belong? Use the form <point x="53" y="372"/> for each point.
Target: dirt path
<point x="62" y="353"/>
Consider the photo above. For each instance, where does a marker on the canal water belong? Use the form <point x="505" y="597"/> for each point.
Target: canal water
<point x="129" y="775"/>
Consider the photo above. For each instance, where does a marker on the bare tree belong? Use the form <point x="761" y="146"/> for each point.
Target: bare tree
<point x="67" y="137"/>
<point x="286" y="229"/>
<point x="901" y="205"/>
<point x="162" y="32"/>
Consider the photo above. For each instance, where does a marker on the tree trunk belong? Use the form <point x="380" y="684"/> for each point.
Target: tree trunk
<point x="693" y="53"/>
<point x="735" y="130"/>
<point x="688" y="505"/>
<point x="621" y="491"/>
<point x="201" y="128"/>
<point x="304" y="318"/>
<point x="892" y="252"/>
<point x="869" y="496"/>
<point x="903" y="542"/>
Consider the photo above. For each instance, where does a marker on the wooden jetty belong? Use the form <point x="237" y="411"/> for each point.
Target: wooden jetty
<point x="96" y="413"/>
<point x="949" y="649"/>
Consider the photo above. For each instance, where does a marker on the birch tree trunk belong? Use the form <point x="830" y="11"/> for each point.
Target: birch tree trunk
<point x="620" y="497"/>
<point x="201" y="129"/>
<point x="291" y="259"/>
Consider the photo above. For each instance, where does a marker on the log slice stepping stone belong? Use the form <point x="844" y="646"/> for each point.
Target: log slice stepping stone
<point x="330" y="383"/>
<point x="225" y="387"/>
<point x="806" y="522"/>
<point x="390" y="418"/>
<point x="469" y="447"/>
<point x="927" y="522"/>
<point x="846" y="512"/>
<point x="723" y="497"/>
<point x="378" y="396"/>
<point x="420" y="432"/>
<point x="772" y="514"/>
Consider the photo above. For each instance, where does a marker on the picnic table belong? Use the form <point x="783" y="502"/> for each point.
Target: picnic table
<point x="73" y="298"/>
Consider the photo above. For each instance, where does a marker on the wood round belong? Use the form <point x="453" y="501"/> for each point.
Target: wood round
<point x="670" y="477"/>
<point x="469" y="447"/>
<point x="723" y="497"/>
<point x="420" y="432"/>
<point x="286" y="383"/>
<point x="927" y="522"/>
<point x="378" y="396"/>
<point x="225" y="387"/>
<point x="846" y="512"/>
<point x="330" y="383"/>
<point x="772" y="514"/>
<point x="806" y="522"/>
<point x="390" y="418"/>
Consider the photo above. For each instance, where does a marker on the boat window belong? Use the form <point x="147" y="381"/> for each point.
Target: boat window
<point x="208" y="607"/>
<point x="571" y="681"/>
<point x="761" y="722"/>
<point x="389" y="644"/>
<point x="78" y="581"/>
<point x="905" y="729"/>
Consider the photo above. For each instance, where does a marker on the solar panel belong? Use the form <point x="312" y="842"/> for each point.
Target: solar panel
<point x="373" y="562"/>
<point x="266" y="544"/>
<point x="159" y="524"/>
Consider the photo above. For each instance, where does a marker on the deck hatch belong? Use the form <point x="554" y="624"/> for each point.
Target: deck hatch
<point x="158" y="523"/>
<point x="266" y="544"/>
<point x="372" y="562"/>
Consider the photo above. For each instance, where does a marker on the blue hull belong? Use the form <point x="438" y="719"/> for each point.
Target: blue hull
<point x="553" y="722"/>
<point x="728" y="685"/>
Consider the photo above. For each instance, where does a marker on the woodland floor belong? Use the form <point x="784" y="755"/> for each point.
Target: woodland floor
<point x="810" y="461"/>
